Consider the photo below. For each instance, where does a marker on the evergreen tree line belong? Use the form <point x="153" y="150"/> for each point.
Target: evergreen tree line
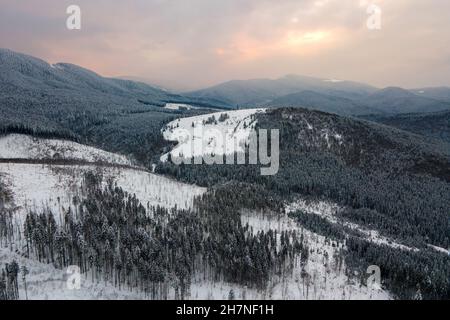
<point x="21" y="128"/>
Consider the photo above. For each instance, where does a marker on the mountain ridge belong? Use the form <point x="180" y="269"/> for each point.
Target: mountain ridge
<point x="25" y="72"/>
<point x="251" y="92"/>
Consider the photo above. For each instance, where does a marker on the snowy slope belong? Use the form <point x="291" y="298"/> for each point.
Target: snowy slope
<point x="45" y="282"/>
<point x="325" y="280"/>
<point x="18" y="146"/>
<point x="328" y="210"/>
<point x="206" y="134"/>
<point x="37" y="186"/>
<point x="46" y="185"/>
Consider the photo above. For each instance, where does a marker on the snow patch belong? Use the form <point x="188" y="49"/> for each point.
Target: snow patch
<point x="178" y="106"/>
<point x="333" y="80"/>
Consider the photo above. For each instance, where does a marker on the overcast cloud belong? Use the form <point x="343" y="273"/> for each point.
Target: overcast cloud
<point x="197" y="43"/>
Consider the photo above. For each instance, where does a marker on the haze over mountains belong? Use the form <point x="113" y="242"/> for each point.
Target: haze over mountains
<point x="397" y="100"/>
<point x="259" y="91"/>
<point x="438" y="93"/>
<point x="323" y="102"/>
<point x="329" y="95"/>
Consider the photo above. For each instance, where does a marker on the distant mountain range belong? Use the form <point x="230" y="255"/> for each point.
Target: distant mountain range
<point x="26" y="81"/>
<point x="322" y="102"/>
<point x="397" y="100"/>
<point x="328" y="95"/>
<point x="245" y="93"/>
<point x="438" y="93"/>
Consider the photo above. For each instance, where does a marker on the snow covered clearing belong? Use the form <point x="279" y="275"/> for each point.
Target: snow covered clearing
<point x="325" y="277"/>
<point x="328" y="210"/>
<point x="40" y="186"/>
<point x="197" y="136"/>
<point x="19" y="146"/>
<point x="178" y="106"/>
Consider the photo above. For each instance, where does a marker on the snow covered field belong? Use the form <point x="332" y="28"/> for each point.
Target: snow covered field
<point x="19" y="146"/>
<point x="213" y="133"/>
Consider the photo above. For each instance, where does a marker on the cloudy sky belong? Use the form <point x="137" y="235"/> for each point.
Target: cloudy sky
<point x="195" y="43"/>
